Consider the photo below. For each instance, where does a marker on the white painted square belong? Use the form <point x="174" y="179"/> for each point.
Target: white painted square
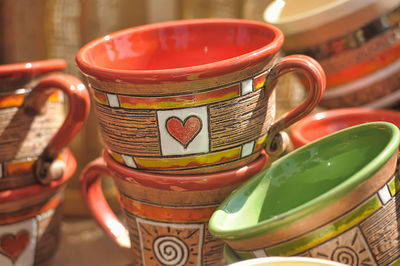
<point x="113" y="100"/>
<point x="26" y="252"/>
<point x="247" y="86"/>
<point x="129" y="161"/>
<point x="260" y="253"/>
<point x="170" y="145"/>
<point x="384" y="194"/>
<point x="247" y="148"/>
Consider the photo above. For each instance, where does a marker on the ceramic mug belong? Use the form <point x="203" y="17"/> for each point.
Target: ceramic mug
<point x="30" y="219"/>
<point x="193" y="96"/>
<point x="356" y="42"/>
<point x="335" y="199"/>
<point x="318" y="125"/>
<point x="33" y="127"/>
<point x="166" y="215"/>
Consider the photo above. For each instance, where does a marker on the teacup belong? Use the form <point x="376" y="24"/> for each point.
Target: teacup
<point x="166" y="215"/>
<point x="335" y="198"/>
<point x="355" y="41"/>
<point x="193" y="96"/>
<point x="30" y="219"/>
<point x="315" y="126"/>
<point x="34" y="129"/>
<point x="286" y="261"/>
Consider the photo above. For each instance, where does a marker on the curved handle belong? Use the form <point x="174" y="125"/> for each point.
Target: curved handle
<point x="93" y="197"/>
<point x="78" y="111"/>
<point x="315" y="76"/>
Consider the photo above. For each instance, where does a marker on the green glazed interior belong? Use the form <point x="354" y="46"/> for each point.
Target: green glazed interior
<point x="305" y="181"/>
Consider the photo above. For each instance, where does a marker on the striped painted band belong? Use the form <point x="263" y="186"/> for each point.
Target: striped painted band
<point x="193" y="161"/>
<point x="178" y="101"/>
<point x="181" y="214"/>
<point x="16" y="98"/>
<point x="354" y="39"/>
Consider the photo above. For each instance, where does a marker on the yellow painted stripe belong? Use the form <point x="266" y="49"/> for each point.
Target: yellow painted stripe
<point x="187" y="162"/>
<point x="328" y="231"/>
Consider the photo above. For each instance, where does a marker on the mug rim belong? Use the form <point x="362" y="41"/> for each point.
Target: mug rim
<point x="37" y="189"/>
<point x="184" y="73"/>
<point x="296" y="132"/>
<point x="255" y="261"/>
<point x="32" y="67"/>
<point x="190" y="182"/>
<point x="312" y="206"/>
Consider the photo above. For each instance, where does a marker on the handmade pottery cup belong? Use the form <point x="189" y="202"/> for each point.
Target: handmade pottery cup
<point x="286" y="261"/>
<point x="33" y="126"/>
<point x="315" y="126"/>
<point x="30" y="219"/>
<point x="335" y="198"/>
<point x="193" y="96"/>
<point x="356" y="42"/>
<point x="166" y="216"/>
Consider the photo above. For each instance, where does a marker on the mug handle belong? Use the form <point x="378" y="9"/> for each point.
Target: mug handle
<point x="93" y="197"/>
<point x="315" y="76"/>
<point x="78" y="111"/>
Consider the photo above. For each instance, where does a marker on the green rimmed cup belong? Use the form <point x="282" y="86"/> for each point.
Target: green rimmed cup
<point x="334" y="199"/>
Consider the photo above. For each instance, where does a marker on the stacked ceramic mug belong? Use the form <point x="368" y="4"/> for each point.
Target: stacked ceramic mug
<point x="356" y="42"/>
<point x="34" y="165"/>
<point x="185" y="111"/>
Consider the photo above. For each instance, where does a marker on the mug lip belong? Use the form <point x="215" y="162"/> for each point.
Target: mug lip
<point x="192" y="182"/>
<point x="312" y="206"/>
<point x="256" y="261"/>
<point x="184" y="73"/>
<point x="32" y="190"/>
<point x="32" y="67"/>
<point x="296" y="132"/>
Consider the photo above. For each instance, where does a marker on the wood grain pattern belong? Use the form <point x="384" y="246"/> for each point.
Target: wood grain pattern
<point x="237" y="121"/>
<point x="129" y="131"/>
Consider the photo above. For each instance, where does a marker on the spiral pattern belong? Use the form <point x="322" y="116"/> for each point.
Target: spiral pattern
<point x="170" y="250"/>
<point x="345" y="255"/>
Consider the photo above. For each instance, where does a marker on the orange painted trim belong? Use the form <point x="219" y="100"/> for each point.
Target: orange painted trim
<point x="15" y="168"/>
<point x="166" y="213"/>
<point x="100" y="97"/>
<point x="259" y="81"/>
<point x="364" y="68"/>
<point x="12" y="218"/>
<point x="186" y="100"/>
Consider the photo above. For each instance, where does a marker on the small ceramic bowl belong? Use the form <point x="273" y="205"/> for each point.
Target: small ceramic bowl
<point x="324" y="123"/>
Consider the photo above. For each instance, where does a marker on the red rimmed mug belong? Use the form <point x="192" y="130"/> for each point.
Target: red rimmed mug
<point x="193" y="96"/>
<point x="318" y="125"/>
<point x="30" y="220"/>
<point x="34" y="129"/>
<point x="166" y="215"/>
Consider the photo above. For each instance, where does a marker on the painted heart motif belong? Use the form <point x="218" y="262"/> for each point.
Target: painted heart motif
<point x="184" y="131"/>
<point x="13" y="245"/>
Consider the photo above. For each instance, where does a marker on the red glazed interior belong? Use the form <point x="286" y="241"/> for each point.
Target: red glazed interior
<point x="13" y="195"/>
<point x="179" y="48"/>
<point x="187" y="182"/>
<point x="321" y="124"/>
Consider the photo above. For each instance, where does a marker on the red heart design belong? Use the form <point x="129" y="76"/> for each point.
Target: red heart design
<point x="13" y="245"/>
<point x="185" y="131"/>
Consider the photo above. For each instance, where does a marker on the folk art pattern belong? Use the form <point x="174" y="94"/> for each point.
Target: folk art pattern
<point x="30" y="238"/>
<point x="355" y="234"/>
<point x="192" y="130"/>
<point x="25" y="137"/>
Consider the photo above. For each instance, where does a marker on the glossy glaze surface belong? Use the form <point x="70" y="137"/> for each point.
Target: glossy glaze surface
<point x="321" y="124"/>
<point x="305" y="181"/>
<point x="179" y="50"/>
